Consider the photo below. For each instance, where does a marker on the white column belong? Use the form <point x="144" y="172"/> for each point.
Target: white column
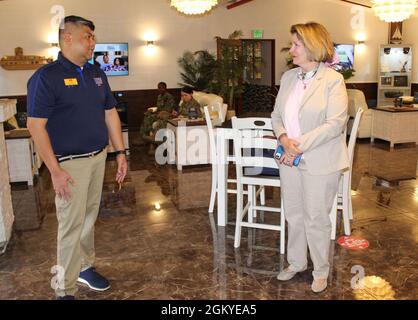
<point x="7" y="110"/>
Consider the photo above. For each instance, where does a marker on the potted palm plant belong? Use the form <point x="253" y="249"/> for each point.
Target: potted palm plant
<point x="198" y="70"/>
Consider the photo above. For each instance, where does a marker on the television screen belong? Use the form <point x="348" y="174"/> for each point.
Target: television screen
<point x="112" y="58"/>
<point x="345" y="54"/>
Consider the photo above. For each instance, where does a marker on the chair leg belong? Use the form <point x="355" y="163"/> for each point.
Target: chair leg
<point x="345" y="207"/>
<point x="350" y="208"/>
<point x="237" y="240"/>
<point x="254" y="202"/>
<point x="282" y="228"/>
<point x="214" y="189"/>
<point x="350" y="203"/>
<point x="263" y="196"/>
<point x="346" y="215"/>
<point x="333" y="217"/>
<point x="251" y="196"/>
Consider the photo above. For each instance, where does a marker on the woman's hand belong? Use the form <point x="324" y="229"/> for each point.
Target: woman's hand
<point x="291" y="150"/>
<point x="287" y="160"/>
<point x="290" y="146"/>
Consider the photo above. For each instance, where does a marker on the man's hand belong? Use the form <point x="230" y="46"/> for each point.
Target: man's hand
<point x="60" y="180"/>
<point x="122" y="168"/>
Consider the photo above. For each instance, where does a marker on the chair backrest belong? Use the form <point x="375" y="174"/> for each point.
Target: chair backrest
<point x="251" y="137"/>
<point x="215" y="105"/>
<point x="353" y="135"/>
<point x="211" y="133"/>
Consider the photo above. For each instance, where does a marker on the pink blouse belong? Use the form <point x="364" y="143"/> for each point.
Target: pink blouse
<point x="293" y="104"/>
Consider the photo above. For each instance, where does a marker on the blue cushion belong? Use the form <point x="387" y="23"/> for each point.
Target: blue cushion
<point x="255" y="171"/>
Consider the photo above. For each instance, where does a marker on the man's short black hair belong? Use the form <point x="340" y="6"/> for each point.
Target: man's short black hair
<point x="75" y="20"/>
<point x="187" y="89"/>
<point x="162" y="84"/>
<point x="79" y="20"/>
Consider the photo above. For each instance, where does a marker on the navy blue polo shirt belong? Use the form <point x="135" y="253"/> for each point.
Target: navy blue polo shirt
<point x="74" y="101"/>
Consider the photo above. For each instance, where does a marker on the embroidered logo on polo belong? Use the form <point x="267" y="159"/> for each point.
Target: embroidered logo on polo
<point x="98" y="81"/>
<point x="71" y="82"/>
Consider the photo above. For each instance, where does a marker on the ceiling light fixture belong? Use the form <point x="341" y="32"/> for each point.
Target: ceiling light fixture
<point x="394" y="10"/>
<point x="193" y="7"/>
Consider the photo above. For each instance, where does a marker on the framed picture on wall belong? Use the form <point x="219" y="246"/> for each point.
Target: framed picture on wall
<point x="386" y="81"/>
<point x="395" y="33"/>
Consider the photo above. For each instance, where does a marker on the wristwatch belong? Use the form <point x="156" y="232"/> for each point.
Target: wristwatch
<point x="118" y="152"/>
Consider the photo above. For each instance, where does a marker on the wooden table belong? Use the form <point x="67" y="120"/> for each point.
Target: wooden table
<point x="396" y="125"/>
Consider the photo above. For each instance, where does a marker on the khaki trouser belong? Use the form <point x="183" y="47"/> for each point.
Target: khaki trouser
<point x="76" y="219"/>
<point x="308" y="201"/>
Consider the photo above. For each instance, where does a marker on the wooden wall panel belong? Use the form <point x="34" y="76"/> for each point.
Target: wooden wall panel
<point x="138" y="102"/>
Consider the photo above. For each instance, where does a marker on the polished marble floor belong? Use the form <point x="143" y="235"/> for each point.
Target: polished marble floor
<point x="180" y="253"/>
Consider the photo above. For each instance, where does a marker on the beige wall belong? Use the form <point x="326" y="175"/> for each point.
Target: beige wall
<point x="410" y="36"/>
<point x="26" y="23"/>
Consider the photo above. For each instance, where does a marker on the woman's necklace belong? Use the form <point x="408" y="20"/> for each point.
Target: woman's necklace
<point x="305" y="76"/>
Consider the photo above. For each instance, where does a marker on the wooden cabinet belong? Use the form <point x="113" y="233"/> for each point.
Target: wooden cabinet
<point x="257" y="55"/>
<point x="23" y="160"/>
<point x="395" y="71"/>
<point x="255" y="80"/>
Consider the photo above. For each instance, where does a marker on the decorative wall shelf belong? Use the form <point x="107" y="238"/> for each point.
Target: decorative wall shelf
<point x="22" y="62"/>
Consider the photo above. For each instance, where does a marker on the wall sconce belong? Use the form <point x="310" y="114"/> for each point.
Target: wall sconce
<point x="360" y="42"/>
<point x="150" y="48"/>
<point x="54" y="50"/>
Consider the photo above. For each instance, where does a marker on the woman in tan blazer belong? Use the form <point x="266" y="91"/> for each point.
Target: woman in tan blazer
<point x="309" y="119"/>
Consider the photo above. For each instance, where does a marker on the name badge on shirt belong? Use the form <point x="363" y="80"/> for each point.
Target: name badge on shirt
<point x="98" y="81"/>
<point x="71" y="82"/>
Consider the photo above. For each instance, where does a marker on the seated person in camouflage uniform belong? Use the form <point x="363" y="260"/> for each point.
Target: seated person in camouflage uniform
<point x="156" y="119"/>
<point x="189" y="107"/>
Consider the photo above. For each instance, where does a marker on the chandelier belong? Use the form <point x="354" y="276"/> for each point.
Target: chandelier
<point x="394" y="10"/>
<point x="193" y="6"/>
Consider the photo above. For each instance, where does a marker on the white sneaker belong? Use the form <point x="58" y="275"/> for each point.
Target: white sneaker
<point x="287" y="274"/>
<point x="319" y="285"/>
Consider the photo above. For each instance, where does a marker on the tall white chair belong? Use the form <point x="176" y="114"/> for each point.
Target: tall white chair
<point x="342" y="199"/>
<point x="250" y="134"/>
<point x="212" y="145"/>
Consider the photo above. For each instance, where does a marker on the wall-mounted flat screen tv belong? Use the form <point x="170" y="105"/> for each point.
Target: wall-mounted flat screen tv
<point x="345" y="54"/>
<point x="112" y="58"/>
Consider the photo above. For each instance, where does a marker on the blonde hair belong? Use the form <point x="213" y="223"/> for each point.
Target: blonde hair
<point x="316" y="40"/>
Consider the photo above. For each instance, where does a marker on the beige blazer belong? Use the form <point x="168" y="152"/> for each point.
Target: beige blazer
<point x="323" y="118"/>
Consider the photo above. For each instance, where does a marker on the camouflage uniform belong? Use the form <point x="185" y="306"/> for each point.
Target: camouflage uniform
<point x="156" y="120"/>
<point x="165" y="102"/>
<point x="184" y="108"/>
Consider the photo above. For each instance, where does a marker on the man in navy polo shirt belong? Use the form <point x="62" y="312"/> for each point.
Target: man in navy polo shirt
<point x="71" y="117"/>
